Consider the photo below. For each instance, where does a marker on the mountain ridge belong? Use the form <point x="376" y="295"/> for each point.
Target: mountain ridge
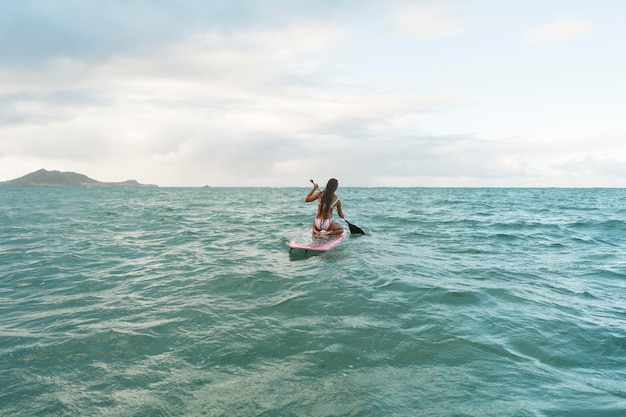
<point x="45" y="178"/>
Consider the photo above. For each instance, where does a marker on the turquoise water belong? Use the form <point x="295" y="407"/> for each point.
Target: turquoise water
<point x="187" y="302"/>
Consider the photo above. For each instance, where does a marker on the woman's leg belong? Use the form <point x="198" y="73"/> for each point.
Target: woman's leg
<point x="335" y="229"/>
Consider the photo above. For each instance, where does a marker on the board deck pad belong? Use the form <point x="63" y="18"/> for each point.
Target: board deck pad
<point x="310" y="241"/>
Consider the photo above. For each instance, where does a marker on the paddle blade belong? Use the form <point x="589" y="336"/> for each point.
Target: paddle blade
<point x="355" y="230"/>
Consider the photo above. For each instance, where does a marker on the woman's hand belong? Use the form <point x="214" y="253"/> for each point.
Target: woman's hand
<point x="311" y="196"/>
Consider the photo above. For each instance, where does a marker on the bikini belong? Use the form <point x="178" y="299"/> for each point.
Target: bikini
<point x="324" y="224"/>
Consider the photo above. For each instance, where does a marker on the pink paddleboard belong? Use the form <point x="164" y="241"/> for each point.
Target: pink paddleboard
<point x="310" y="241"/>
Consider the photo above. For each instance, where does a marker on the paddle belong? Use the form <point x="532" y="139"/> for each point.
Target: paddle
<point x="354" y="229"/>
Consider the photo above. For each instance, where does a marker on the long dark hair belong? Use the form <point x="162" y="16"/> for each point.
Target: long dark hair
<point x="329" y="191"/>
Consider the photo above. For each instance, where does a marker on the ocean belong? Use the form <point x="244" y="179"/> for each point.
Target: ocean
<point x="187" y="302"/>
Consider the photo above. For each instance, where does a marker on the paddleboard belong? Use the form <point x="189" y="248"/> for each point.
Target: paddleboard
<point x="310" y="241"/>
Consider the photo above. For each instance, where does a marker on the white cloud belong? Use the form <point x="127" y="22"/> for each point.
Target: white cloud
<point x="226" y="94"/>
<point x="561" y="30"/>
<point x="244" y="106"/>
<point x="429" y="22"/>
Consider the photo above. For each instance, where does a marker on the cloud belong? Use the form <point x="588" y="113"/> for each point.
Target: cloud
<point x="242" y="105"/>
<point x="561" y="30"/>
<point x="602" y="165"/>
<point x="429" y="22"/>
<point x="249" y="93"/>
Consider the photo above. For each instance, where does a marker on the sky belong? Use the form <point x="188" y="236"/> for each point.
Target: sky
<point x="421" y="93"/>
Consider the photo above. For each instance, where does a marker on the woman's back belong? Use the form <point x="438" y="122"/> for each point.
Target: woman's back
<point x="325" y="210"/>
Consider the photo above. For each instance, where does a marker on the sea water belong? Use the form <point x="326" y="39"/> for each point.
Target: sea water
<point x="187" y="302"/>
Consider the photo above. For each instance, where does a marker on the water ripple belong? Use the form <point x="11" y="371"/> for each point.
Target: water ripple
<point x="473" y="302"/>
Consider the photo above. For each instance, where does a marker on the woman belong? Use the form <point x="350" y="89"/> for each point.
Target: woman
<point x="327" y="201"/>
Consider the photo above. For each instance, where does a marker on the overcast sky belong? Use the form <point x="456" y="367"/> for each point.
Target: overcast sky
<point x="272" y="93"/>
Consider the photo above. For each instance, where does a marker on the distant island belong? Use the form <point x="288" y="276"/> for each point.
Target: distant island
<point x="44" y="178"/>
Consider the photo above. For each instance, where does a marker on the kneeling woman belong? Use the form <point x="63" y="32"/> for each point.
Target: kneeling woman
<point x="327" y="201"/>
